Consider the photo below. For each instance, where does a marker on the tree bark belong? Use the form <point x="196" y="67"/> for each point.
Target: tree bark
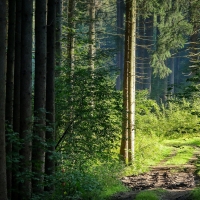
<point x="9" y="88"/>
<point x="58" y="33"/>
<point x="38" y="155"/>
<point x="120" y="40"/>
<point x="132" y="78"/>
<point x="26" y="97"/>
<point x="50" y="88"/>
<point x="3" y="27"/>
<point x="128" y="134"/>
<point x="16" y="102"/>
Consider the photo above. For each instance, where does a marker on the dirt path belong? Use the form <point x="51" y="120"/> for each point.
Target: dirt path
<point x="178" y="181"/>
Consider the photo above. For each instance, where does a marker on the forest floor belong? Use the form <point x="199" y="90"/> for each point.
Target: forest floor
<point x="168" y="182"/>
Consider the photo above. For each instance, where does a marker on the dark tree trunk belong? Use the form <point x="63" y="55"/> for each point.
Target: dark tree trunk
<point x="50" y="94"/>
<point x="16" y="102"/>
<point x="38" y="152"/>
<point x="3" y="24"/>
<point x="10" y="87"/>
<point x="26" y="97"/>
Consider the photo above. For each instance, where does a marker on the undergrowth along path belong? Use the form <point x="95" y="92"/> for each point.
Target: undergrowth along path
<point x="178" y="180"/>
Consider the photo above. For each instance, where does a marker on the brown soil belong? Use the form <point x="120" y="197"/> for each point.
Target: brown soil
<point x="178" y="181"/>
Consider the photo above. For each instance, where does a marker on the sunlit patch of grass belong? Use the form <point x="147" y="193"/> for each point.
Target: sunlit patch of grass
<point x="149" y="152"/>
<point x="185" y="140"/>
<point x="183" y="155"/>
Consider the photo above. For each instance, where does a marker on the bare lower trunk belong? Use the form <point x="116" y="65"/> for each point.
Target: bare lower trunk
<point x="10" y="87"/>
<point x="38" y="155"/>
<point x="50" y="87"/>
<point x="26" y="97"/>
<point x="3" y="184"/>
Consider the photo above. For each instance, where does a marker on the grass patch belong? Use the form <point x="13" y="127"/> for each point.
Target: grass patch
<point x="184" y="154"/>
<point x="150" y="194"/>
<point x="196" y="194"/>
<point x="149" y="151"/>
<point x="185" y="140"/>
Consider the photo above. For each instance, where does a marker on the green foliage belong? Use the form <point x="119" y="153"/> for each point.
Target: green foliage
<point x="151" y="195"/>
<point x="195" y="194"/>
<point x="174" y="28"/>
<point x="144" y="195"/>
<point x="88" y="113"/>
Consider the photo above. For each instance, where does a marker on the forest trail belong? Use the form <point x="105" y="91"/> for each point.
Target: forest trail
<point x="177" y="181"/>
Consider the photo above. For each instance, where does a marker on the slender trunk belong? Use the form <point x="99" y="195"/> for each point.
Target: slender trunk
<point x="131" y="82"/>
<point x="3" y="24"/>
<point x="58" y="33"/>
<point x="120" y="39"/>
<point x="9" y="88"/>
<point x="171" y="76"/>
<point x="50" y="89"/>
<point x="70" y="53"/>
<point x="38" y="156"/>
<point x="26" y="97"/>
<point x="128" y="135"/>
<point x="148" y="44"/>
<point x="16" y="103"/>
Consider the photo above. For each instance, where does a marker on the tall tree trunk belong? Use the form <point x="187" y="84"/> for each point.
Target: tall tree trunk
<point x="171" y="76"/>
<point x="58" y="33"/>
<point x="124" y="141"/>
<point x="38" y="155"/>
<point x="71" y="35"/>
<point x="26" y="97"/>
<point x="131" y="85"/>
<point x="70" y="53"/>
<point x="120" y="39"/>
<point x="140" y="52"/>
<point x="3" y="24"/>
<point x="16" y="102"/>
<point x="148" y="44"/>
<point x="10" y="87"/>
<point x="50" y="88"/>
<point x="128" y="135"/>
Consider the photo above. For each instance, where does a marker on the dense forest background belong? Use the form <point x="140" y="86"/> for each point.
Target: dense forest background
<point x="85" y="83"/>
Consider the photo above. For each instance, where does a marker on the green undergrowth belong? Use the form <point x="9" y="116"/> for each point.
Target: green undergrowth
<point x="149" y="151"/>
<point x="195" y="194"/>
<point x="150" y="194"/>
<point x="184" y="154"/>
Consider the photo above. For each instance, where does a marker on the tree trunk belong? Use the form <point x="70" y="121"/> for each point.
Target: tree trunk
<point x="148" y="44"/>
<point x="120" y="39"/>
<point x="26" y="97"/>
<point x="16" y="102"/>
<point x="131" y="82"/>
<point x="70" y="53"/>
<point x="10" y="87"/>
<point x="3" y="24"/>
<point x="128" y="135"/>
<point x="58" y="33"/>
<point x="50" y="88"/>
<point x="38" y="155"/>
